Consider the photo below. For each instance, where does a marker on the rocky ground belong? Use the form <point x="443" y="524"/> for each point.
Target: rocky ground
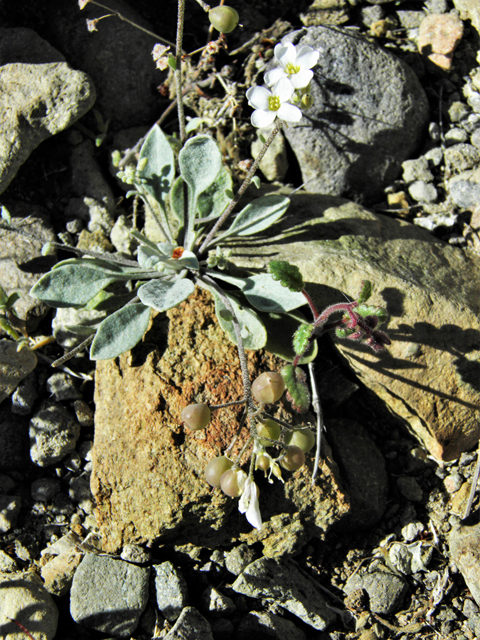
<point x="105" y="531"/>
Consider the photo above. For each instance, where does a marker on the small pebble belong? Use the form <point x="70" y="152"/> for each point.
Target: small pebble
<point x="411" y="531"/>
<point x="455" y="135"/>
<point x="238" y="558"/>
<point x="62" y="387"/>
<point x="438" y="37"/>
<point x="464" y="193"/>
<point x="9" y="510"/>
<point x="217" y="604"/>
<point x="461" y="157"/>
<point x="44" y="489"/>
<point x="171" y="589"/>
<point x="84" y="414"/>
<point x="421" y="191"/>
<point x="416" y="170"/>
<point x="453" y="482"/>
<point x="435" y="156"/>
<point x="135" y="553"/>
<point x="409" y="488"/>
<point x="25" y="395"/>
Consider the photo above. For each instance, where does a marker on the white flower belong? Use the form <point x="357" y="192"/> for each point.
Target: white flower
<point x="269" y="105"/>
<point x="296" y="64"/>
<point x="248" y="504"/>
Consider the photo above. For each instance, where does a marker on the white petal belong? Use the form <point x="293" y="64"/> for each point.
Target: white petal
<point x="261" y="118"/>
<point x="253" y="514"/>
<point x="273" y="76"/>
<point x="289" y="113"/>
<point x="307" y="58"/>
<point x="280" y="50"/>
<point x="283" y="89"/>
<point x="258" y="97"/>
<point x="287" y="54"/>
<point x="301" y="79"/>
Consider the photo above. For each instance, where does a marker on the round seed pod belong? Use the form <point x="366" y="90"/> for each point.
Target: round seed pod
<point x="196" y="416"/>
<point x="262" y="462"/>
<point x="232" y="483"/>
<point x="215" y="470"/>
<point x="268" y="429"/>
<point x="268" y="387"/>
<point x="303" y="438"/>
<point x="223" y="18"/>
<point x="294" y="458"/>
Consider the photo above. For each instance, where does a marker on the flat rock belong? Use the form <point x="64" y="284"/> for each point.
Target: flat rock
<point x="148" y="471"/>
<point x="368" y="112"/>
<point x="25" y="600"/>
<point x="285" y="583"/>
<point x="464" y="546"/>
<point x="109" y="595"/>
<point x="36" y="102"/>
<point x="429" y="375"/>
<point x="386" y="590"/>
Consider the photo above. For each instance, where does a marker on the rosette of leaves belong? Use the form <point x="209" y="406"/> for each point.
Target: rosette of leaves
<point x="165" y="273"/>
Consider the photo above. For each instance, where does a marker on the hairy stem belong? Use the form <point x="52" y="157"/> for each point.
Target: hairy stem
<point x="178" y="70"/>
<point x="241" y="191"/>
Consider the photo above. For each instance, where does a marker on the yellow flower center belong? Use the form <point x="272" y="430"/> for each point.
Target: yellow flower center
<point x="274" y="103"/>
<point x="292" y="69"/>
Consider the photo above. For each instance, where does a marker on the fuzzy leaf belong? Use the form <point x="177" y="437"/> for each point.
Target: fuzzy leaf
<point x="301" y="338"/>
<point x="162" y="295"/>
<point x="287" y="274"/>
<point x="297" y="390"/>
<point x="253" y="330"/>
<point x="257" y="216"/>
<point x="214" y="200"/>
<point x="265" y="294"/>
<point x="237" y="282"/>
<point x="280" y="329"/>
<point x="160" y="168"/>
<point x="177" y="201"/>
<point x="366" y="292"/>
<point x="120" y="332"/>
<point x="71" y="285"/>
<point x="148" y="257"/>
<point x="200" y="161"/>
<point x="365" y="310"/>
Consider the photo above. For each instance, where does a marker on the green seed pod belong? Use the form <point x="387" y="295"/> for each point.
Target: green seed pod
<point x="307" y="100"/>
<point x="268" y="429"/>
<point x="268" y="387"/>
<point x="196" y="416"/>
<point x="215" y="470"/>
<point x="232" y="482"/>
<point x="116" y="157"/>
<point x="302" y="438"/>
<point x="294" y="458"/>
<point x="263" y="462"/>
<point x="223" y="18"/>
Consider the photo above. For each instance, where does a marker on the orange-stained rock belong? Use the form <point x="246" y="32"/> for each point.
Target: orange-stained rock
<point x="438" y="38"/>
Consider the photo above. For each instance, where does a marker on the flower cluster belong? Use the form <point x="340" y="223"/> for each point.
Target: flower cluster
<point x="286" y="84"/>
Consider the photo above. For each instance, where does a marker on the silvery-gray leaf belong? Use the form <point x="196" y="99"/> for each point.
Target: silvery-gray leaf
<point x="177" y="201"/>
<point x="160" y="168"/>
<point x="200" y="161"/>
<point x="256" y="216"/>
<point x="189" y="260"/>
<point x="237" y="282"/>
<point x="120" y="332"/>
<point x="162" y="295"/>
<point x="251" y="325"/>
<point x="214" y="200"/>
<point x="71" y="285"/>
<point x="147" y="257"/>
<point x="267" y="294"/>
<point x="166" y="248"/>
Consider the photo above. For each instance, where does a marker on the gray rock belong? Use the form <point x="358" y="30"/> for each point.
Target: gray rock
<point x="422" y="191"/>
<point x="436" y="220"/>
<point x="9" y="510"/>
<point x="238" y="558"/>
<point x="53" y="434"/>
<point x="88" y="180"/>
<point x="265" y="624"/>
<point x="62" y="387"/>
<point x="475" y="138"/>
<point x="436" y="6"/>
<point x="464" y="544"/>
<point x="172" y="591"/>
<point x="416" y="170"/>
<point x="70" y="317"/>
<point x="464" y="193"/>
<point x="117" y="57"/>
<point x="461" y="157"/>
<point x="38" y="101"/>
<point x="25" y="395"/>
<point x="216" y="603"/>
<point x="385" y="590"/>
<point x="409" y="488"/>
<point x="410" y="558"/>
<point x="25" y="600"/>
<point x="410" y="19"/>
<point x="109" y="595"/>
<point x="84" y="413"/>
<point x="44" y="489"/>
<point x="121" y="237"/>
<point x="136" y="554"/>
<point x="284" y="582"/>
<point x="370" y="15"/>
<point x="79" y="492"/>
<point x="363" y="468"/>
<point x="21" y="262"/>
<point x="191" y="625"/>
<point x="411" y="530"/>
<point x="15" y="365"/>
<point x="368" y="112"/>
<point x="435" y="156"/>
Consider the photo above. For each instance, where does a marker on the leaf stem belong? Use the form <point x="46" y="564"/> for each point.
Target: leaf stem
<point x="178" y="70"/>
<point x="241" y="191"/>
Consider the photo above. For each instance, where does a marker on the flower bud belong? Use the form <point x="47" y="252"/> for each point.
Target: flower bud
<point x="223" y="18"/>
